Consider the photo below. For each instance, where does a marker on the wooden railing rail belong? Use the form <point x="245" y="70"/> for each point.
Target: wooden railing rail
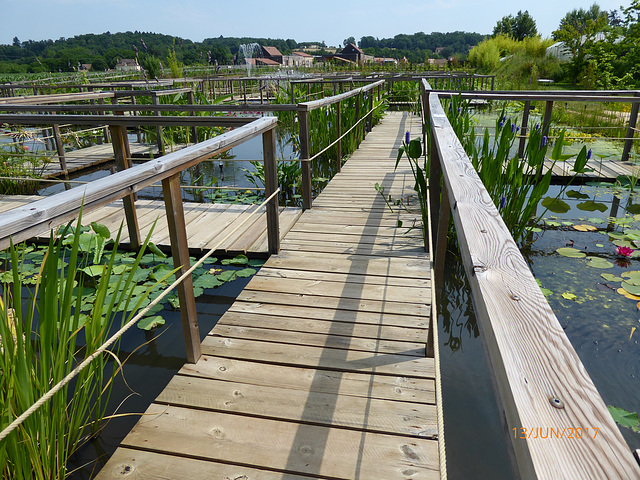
<point x="541" y="383"/>
<point x="32" y="219"/>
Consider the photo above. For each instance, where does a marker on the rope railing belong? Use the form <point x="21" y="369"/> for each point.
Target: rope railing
<point x="85" y="363"/>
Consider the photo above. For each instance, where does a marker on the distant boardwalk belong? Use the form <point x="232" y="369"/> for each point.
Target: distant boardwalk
<point x="319" y="369"/>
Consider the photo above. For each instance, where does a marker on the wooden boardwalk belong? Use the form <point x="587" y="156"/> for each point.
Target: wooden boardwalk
<point x="207" y="223"/>
<point x="319" y="369"/>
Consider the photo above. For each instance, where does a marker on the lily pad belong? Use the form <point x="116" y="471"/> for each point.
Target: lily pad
<point x="147" y="323"/>
<point x="633" y="209"/>
<point x="611" y="278"/>
<point x="555" y="205"/>
<point x="569" y="296"/>
<point x="624" y="418"/>
<point x="632" y="277"/>
<point x="591" y="206"/>
<point x="577" y="194"/>
<point x="246" y="272"/>
<point x="626" y="294"/>
<point x="571" y="252"/>
<point x="552" y="223"/>
<point x="597" y="262"/>
<point x="585" y="228"/>
<point x="631" y="288"/>
<point x="596" y="220"/>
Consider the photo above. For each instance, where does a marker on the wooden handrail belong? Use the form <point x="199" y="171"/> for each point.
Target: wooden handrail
<point x="540" y="380"/>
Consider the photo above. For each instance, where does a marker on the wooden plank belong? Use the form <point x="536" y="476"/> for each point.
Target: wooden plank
<point x="398" y="388"/>
<point x="349" y="304"/>
<point x="357" y="329"/>
<point x="353" y="249"/>
<point x="320" y="358"/>
<point x="410" y="295"/>
<point x="315" y="339"/>
<point x="371" y="415"/>
<point x="284" y="446"/>
<point x="141" y="464"/>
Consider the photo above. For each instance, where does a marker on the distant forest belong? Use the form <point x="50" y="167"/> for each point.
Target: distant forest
<point x="104" y="50"/>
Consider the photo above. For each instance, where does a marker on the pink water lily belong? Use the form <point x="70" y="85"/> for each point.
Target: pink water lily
<point x="625" y="251"/>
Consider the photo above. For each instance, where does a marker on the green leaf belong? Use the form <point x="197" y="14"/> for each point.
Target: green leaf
<point x="569" y="296"/>
<point x="155" y="250"/>
<point x="246" y="272"/>
<point x="576" y="194"/>
<point x="147" y="323"/>
<point x="237" y="261"/>
<point x="631" y="288"/>
<point x="207" y="281"/>
<point x="571" y="252"/>
<point x="591" y="206"/>
<point x="415" y="149"/>
<point x="101" y="230"/>
<point x="93" y="270"/>
<point x="226" y="276"/>
<point x="555" y="205"/>
<point x="624" y="418"/>
<point x="611" y="278"/>
<point x="256" y="263"/>
<point x="597" y="262"/>
<point x="632" y="277"/>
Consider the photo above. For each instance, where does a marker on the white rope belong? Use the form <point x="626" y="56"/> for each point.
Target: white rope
<point x="47" y="396"/>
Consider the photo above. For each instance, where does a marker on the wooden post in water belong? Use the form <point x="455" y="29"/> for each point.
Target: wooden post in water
<point x="123" y="161"/>
<point x="270" y="186"/>
<point x="631" y="130"/>
<point x="60" y="148"/>
<point x="194" y="129"/>
<point x="159" y="139"/>
<point x="339" y="133"/>
<point x="305" y="154"/>
<point x="524" y="128"/>
<point x="546" y="121"/>
<point x="180" y="253"/>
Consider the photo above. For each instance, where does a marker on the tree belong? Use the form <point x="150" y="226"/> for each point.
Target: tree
<point x="519" y="27"/>
<point x="16" y="42"/>
<point x="348" y="40"/>
<point x="578" y="30"/>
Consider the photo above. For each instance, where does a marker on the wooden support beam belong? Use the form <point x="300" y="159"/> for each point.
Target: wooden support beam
<point x="194" y="129"/>
<point x="270" y="186"/>
<point x="339" y="133"/>
<point x="305" y="154"/>
<point x="523" y="128"/>
<point x="159" y="129"/>
<point x="123" y="162"/>
<point x="180" y="252"/>
<point x="546" y="121"/>
<point x="631" y="131"/>
<point x="60" y="148"/>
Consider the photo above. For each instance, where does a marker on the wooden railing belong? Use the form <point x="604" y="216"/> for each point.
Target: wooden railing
<point x="541" y="383"/>
<point x="40" y="216"/>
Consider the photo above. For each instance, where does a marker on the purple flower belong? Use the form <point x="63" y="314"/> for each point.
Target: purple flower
<point x="544" y="140"/>
<point x="517" y="129"/>
<point x="625" y="251"/>
<point x="501" y="124"/>
<point x="503" y="202"/>
<point x="537" y="126"/>
<point x="589" y="155"/>
<point x="513" y="128"/>
<point x="407" y="137"/>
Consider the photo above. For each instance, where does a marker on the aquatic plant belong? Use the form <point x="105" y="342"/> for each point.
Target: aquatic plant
<point x="412" y="149"/>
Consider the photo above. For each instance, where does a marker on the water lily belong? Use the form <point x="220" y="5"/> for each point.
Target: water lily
<point x="625" y="251"/>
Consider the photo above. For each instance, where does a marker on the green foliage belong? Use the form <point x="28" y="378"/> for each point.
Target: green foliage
<point x="519" y="27"/>
<point x="413" y="152"/>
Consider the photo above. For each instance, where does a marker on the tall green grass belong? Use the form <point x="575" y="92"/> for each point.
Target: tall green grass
<point x="43" y="339"/>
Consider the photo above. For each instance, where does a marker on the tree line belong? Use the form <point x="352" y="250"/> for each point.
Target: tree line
<point x="103" y="51"/>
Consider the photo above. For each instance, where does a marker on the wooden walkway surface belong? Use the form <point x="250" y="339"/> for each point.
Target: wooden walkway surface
<point x="318" y="370"/>
<point x="207" y="223"/>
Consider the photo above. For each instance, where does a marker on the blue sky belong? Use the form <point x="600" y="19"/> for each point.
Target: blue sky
<point x="328" y="20"/>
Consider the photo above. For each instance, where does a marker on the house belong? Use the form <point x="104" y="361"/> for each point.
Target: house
<point x="385" y="61"/>
<point x="297" y="59"/>
<point x="272" y="53"/>
<point x="354" y="54"/>
<point x="128" y="65"/>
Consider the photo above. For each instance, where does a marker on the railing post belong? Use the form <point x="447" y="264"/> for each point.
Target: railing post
<point x="270" y="186"/>
<point x="631" y="130"/>
<point x="546" y="121"/>
<point x="194" y="130"/>
<point x="60" y="148"/>
<point x="120" y="152"/>
<point x="305" y="154"/>
<point x="370" y="119"/>
<point x="180" y="253"/>
<point x="524" y="128"/>
<point x="339" y="133"/>
<point x="159" y="139"/>
<point x="356" y="131"/>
